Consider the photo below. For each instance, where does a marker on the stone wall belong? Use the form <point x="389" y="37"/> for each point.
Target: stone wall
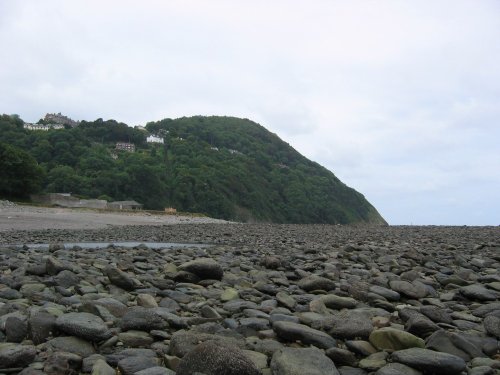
<point x="65" y="200"/>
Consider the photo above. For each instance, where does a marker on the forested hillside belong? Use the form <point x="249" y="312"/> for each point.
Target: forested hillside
<point x="221" y="166"/>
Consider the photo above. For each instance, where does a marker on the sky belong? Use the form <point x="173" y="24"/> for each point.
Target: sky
<point x="400" y="99"/>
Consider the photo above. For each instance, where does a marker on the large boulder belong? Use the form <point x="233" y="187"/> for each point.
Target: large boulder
<point x="215" y="358"/>
<point x="204" y="268"/>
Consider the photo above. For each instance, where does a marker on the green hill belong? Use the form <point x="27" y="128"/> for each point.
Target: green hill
<point x="224" y="167"/>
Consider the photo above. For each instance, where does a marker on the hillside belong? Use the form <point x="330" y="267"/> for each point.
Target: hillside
<point x="222" y="166"/>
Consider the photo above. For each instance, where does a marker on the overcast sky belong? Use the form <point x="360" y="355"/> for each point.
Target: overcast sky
<point x="400" y="99"/>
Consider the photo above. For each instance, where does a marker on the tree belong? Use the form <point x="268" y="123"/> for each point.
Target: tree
<point x="19" y="171"/>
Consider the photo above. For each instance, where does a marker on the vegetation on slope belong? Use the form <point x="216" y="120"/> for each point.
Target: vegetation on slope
<point x="222" y="166"/>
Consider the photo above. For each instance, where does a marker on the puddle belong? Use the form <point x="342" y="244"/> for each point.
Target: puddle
<point x="127" y="244"/>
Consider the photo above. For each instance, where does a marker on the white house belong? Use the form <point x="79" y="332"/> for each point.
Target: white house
<point x="154" y="139"/>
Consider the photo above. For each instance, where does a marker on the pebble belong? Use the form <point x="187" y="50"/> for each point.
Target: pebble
<point x="264" y="299"/>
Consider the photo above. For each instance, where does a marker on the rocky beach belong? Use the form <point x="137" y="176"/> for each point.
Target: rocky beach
<point x="261" y="299"/>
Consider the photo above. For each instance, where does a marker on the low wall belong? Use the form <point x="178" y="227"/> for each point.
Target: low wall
<point x="55" y="199"/>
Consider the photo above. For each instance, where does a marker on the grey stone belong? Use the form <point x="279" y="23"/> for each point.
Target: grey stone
<point x="62" y="363"/>
<point x="482" y="370"/>
<point x="133" y="364"/>
<point x="102" y="368"/>
<point x="394" y="339"/>
<point x="387" y="293"/>
<point x="16" y="329"/>
<point x="54" y="266"/>
<point x="414" y="290"/>
<point x="492" y="325"/>
<point x="349" y="324"/>
<point x="436" y="314"/>
<point x="453" y="343"/>
<point x="120" y="278"/>
<point x="429" y="361"/>
<point x="315" y="282"/>
<point x="479" y="292"/>
<point x="348" y="370"/>
<point x="15" y="355"/>
<point x="142" y="319"/>
<point x="72" y="344"/>
<point x="87" y="326"/>
<point x="135" y="339"/>
<point x="421" y="326"/>
<point x="486" y="309"/>
<point x="183" y="342"/>
<point x="297" y="361"/>
<point x="215" y="358"/>
<point x="67" y="279"/>
<point x="204" y="268"/>
<point x="335" y="302"/>
<point x="342" y="357"/>
<point x="397" y="369"/>
<point x="374" y="361"/>
<point x="9" y="293"/>
<point x="292" y="331"/>
<point x="157" y="370"/>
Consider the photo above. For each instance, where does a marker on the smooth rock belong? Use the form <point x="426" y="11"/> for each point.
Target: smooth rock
<point x="429" y="361"/>
<point x="102" y="368"/>
<point x="72" y="344"/>
<point x="298" y="361"/>
<point x="87" y="326"/>
<point x="394" y="339"/>
<point x="131" y="365"/>
<point x="292" y="331"/>
<point x="215" y="358"/>
<point x="397" y="369"/>
<point x="120" y="278"/>
<point x="453" y="343"/>
<point x="157" y="370"/>
<point x="204" y="268"/>
<point x="16" y="355"/>
<point x="62" y="363"/>
<point x="315" y="282"/>
<point x="492" y="325"/>
<point x="479" y="292"/>
<point x="142" y="319"/>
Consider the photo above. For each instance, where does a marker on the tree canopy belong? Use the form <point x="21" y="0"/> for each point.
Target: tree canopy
<point x="224" y="167"/>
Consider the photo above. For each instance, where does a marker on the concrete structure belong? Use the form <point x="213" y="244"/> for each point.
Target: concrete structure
<point x="125" y="205"/>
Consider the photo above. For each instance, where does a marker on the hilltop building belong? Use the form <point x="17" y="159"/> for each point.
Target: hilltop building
<point x="154" y="139"/>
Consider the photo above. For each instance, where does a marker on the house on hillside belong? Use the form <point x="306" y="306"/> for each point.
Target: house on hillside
<point x="125" y="146"/>
<point x="125" y="205"/>
<point x="154" y="139"/>
<point x="42" y="127"/>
